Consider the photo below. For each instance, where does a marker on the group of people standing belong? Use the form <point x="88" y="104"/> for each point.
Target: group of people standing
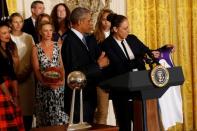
<point x="64" y="40"/>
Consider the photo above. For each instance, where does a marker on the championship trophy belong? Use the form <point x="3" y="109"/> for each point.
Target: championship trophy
<point x="77" y="80"/>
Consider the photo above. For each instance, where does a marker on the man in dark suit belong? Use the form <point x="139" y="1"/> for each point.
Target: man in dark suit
<point x="83" y="55"/>
<point x="37" y="8"/>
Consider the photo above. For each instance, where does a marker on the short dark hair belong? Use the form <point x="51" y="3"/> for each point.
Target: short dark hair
<point x="116" y="19"/>
<point x="78" y="14"/>
<point x="34" y="3"/>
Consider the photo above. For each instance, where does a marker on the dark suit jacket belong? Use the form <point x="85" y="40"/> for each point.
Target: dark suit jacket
<point x="75" y="56"/>
<point x="29" y="28"/>
<point x="119" y="64"/>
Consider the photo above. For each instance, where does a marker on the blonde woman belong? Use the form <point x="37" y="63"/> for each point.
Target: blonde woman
<point x="102" y="31"/>
<point x="49" y="71"/>
<point x="24" y="43"/>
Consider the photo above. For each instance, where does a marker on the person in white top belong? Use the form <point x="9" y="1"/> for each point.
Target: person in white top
<point x="102" y="31"/>
<point x="24" y="43"/>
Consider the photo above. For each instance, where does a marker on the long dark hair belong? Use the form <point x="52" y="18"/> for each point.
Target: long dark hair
<point x="55" y="19"/>
<point x="10" y="46"/>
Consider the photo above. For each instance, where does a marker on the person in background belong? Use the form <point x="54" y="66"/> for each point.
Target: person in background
<point x="24" y="43"/>
<point x="102" y="31"/>
<point x="43" y="18"/>
<point x="10" y="116"/>
<point x="40" y="19"/>
<point x="125" y="53"/>
<point x="83" y="54"/>
<point x="37" y="8"/>
<point x="49" y="71"/>
<point x="60" y="17"/>
<point x="102" y="27"/>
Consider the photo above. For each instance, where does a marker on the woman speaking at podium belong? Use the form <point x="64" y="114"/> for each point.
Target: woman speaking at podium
<point x="126" y="53"/>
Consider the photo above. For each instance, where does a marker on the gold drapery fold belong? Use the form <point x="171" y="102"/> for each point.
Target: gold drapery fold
<point x="12" y="5"/>
<point x="159" y="22"/>
<point x="194" y="58"/>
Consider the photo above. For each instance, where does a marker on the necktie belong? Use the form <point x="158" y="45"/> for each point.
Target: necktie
<point x="125" y="50"/>
<point x="84" y="42"/>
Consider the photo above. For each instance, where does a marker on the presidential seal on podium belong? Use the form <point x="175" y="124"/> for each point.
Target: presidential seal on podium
<point x="159" y="76"/>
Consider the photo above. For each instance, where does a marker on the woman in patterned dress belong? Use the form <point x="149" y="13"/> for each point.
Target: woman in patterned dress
<point x="10" y="113"/>
<point x="49" y="95"/>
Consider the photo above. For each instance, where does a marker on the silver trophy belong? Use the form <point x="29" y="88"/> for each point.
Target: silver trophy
<point x="77" y="80"/>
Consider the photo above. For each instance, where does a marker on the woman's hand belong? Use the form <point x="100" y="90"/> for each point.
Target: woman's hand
<point x="156" y="54"/>
<point x="54" y="85"/>
<point x="171" y="46"/>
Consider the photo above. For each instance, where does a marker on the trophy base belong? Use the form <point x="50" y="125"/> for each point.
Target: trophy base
<point x="79" y="127"/>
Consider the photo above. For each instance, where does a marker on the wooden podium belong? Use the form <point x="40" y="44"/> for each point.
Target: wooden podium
<point x="95" y="127"/>
<point x="144" y="95"/>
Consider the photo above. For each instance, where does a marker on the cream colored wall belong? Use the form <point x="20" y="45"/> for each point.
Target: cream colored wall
<point x="23" y="6"/>
<point x="118" y="6"/>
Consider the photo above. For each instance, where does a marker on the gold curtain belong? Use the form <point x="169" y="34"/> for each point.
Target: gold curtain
<point x="12" y="5"/>
<point x="159" y="22"/>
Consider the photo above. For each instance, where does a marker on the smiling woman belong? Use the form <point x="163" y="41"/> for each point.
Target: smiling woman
<point x="24" y="43"/>
<point x="11" y="118"/>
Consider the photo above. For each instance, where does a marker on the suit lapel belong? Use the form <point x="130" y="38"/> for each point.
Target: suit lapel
<point x="132" y="46"/>
<point x="83" y="46"/>
<point x="79" y="41"/>
<point x="118" y="50"/>
<point x="31" y="21"/>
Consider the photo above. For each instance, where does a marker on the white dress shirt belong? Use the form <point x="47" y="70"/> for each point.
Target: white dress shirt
<point x="24" y="44"/>
<point x="80" y="35"/>
<point x="106" y="33"/>
<point x="34" y="21"/>
<point x="129" y="51"/>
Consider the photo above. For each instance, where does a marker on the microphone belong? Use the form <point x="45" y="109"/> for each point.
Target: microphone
<point x="150" y="60"/>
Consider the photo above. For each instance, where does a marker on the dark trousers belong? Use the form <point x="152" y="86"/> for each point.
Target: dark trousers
<point x="27" y="120"/>
<point x="124" y="111"/>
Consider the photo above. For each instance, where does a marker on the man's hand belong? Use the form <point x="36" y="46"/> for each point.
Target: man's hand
<point x="103" y="60"/>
